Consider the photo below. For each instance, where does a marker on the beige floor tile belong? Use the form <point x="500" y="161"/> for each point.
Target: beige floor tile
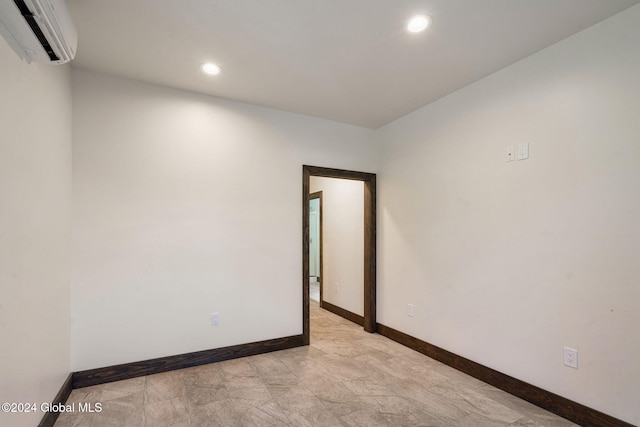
<point x="365" y="418"/>
<point x="346" y="377"/>
<point x="340" y="409"/>
<point x="123" y="388"/>
<point x="204" y="376"/>
<point x="533" y="412"/>
<point x="296" y="398"/>
<point x="202" y="395"/>
<point x="173" y="412"/>
<point x="412" y="420"/>
<point x="267" y="414"/>
<point x="237" y="368"/>
<point x="164" y="386"/>
<point x="74" y="420"/>
<point x="122" y="412"/>
<point x="246" y="398"/>
<point x="316" y="416"/>
<point x="365" y="387"/>
<point x="91" y="394"/>
<point x="220" y="413"/>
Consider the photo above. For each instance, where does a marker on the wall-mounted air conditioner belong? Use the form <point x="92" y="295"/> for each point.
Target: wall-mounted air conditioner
<point x="39" y="30"/>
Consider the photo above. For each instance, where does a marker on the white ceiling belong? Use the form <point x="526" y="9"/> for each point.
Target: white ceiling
<point x="346" y="60"/>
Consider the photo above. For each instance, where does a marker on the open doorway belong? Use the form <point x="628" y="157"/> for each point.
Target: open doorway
<point x="369" y="240"/>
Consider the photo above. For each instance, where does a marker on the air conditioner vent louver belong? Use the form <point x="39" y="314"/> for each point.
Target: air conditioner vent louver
<point x="39" y="30"/>
<point x="31" y="20"/>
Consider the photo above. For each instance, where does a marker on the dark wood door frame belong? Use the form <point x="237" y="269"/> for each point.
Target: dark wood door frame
<point x="369" y="180"/>
<point x="312" y="196"/>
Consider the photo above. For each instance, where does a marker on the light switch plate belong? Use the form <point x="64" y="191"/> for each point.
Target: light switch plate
<point x="215" y="319"/>
<point x="523" y="151"/>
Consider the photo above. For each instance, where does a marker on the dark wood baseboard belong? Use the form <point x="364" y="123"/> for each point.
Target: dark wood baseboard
<point x="163" y="364"/>
<point x="355" y="318"/>
<point x="559" y="405"/>
<point x="49" y="418"/>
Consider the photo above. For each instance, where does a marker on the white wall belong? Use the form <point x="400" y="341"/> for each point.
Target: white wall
<point x="185" y="205"/>
<point x="314" y="238"/>
<point x="506" y="263"/>
<point x="343" y="241"/>
<point x="35" y="204"/>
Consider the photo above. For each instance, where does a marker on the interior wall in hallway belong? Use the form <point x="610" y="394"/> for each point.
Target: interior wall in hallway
<point x="343" y="241"/>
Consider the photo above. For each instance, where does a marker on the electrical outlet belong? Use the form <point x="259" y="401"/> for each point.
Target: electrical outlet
<point x="571" y="357"/>
<point x="410" y="310"/>
<point x="215" y="319"/>
<point x="337" y="288"/>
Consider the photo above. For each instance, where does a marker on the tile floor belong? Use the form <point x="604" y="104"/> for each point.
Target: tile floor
<point x="347" y="377"/>
<point x="314" y="291"/>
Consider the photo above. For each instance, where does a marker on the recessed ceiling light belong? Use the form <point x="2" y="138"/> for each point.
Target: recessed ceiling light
<point x="419" y="23"/>
<point x="211" y="69"/>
